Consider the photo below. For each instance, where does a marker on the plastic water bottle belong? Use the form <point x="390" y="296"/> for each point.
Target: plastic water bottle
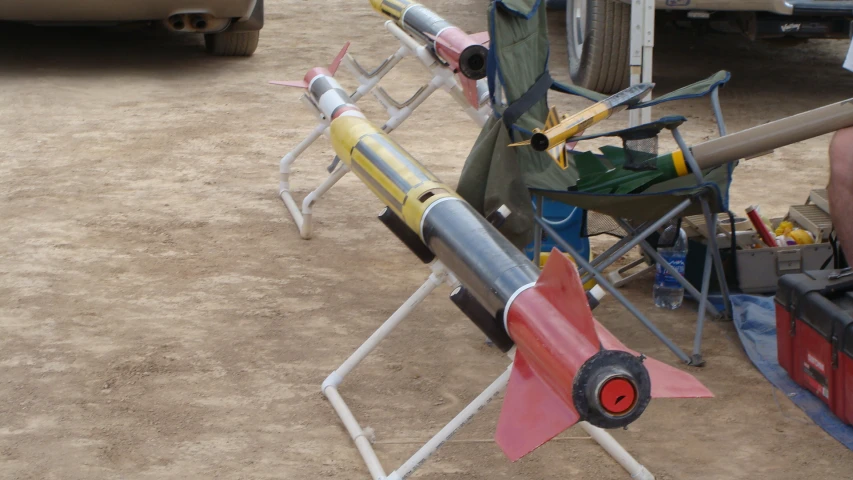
<point x="667" y="292"/>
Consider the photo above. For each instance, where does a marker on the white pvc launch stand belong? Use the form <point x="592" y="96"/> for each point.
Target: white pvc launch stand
<point x="442" y="78"/>
<point x="330" y="389"/>
<point x="642" y="47"/>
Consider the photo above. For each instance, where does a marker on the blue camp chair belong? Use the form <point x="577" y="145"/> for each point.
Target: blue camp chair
<point x="495" y="174"/>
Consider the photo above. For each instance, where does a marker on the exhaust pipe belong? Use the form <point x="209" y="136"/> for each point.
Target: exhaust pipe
<point x="196" y="22"/>
<point x="177" y="22"/>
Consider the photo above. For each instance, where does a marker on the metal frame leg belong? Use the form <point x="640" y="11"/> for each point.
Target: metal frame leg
<point x="710" y="220"/>
<point x="681" y="280"/>
<point x="637" y="238"/>
<point x="537" y="232"/>
<point x="604" y="283"/>
<point x="718" y="111"/>
<point x="605" y="255"/>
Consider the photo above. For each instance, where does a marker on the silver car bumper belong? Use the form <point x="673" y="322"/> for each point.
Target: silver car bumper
<point x="90" y="11"/>
<point x="782" y="7"/>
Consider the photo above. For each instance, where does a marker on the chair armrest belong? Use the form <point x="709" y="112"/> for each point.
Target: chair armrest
<point x="695" y="90"/>
<point x="647" y="130"/>
<point x="578" y="91"/>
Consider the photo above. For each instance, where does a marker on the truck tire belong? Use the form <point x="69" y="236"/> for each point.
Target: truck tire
<point x="598" y="34"/>
<point x="232" y="44"/>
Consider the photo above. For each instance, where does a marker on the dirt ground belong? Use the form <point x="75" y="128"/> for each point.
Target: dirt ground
<point x="161" y="318"/>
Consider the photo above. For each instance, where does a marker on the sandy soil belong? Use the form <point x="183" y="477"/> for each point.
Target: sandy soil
<point x="161" y="318"/>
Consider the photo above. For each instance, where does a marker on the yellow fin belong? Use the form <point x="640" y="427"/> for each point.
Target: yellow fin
<point x="553" y="118"/>
<point x="559" y="155"/>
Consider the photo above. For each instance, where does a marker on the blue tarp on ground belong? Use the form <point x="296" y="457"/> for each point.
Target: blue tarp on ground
<point x="755" y="320"/>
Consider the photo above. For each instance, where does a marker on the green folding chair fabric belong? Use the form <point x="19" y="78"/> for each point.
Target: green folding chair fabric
<point x="495" y="174"/>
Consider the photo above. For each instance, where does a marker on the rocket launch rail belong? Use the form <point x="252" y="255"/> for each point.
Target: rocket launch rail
<point x="454" y="60"/>
<point x="567" y="368"/>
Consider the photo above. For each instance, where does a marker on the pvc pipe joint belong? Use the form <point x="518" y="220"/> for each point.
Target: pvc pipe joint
<point x="333" y="380"/>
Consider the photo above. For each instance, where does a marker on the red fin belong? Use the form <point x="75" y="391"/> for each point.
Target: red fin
<point x="531" y="413"/>
<point x="444" y="43"/>
<point x="667" y="381"/>
<point x="296" y="84"/>
<point x="482" y="38"/>
<point x="561" y="285"/>
<point x="470" y="88"/>
<point x="333" y="67"/>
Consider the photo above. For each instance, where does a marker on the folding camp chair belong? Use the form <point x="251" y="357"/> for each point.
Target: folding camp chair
<point x="496" y="174"/>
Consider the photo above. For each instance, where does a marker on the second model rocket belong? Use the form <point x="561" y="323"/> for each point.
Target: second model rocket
<point x="566" y="366"/>
<point x="465" y="54"/>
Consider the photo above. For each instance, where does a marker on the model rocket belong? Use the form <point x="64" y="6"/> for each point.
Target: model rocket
<point x="464" y="54"/>
<point x="566" y="367"/>
<point x="598" y="175"/>
<point x="576" y="124"/>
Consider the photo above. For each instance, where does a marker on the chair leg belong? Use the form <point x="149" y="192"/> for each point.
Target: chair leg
<point x="537" y="231"/>
<point x="711" y="222"/>
<point x="683" y="281"/>
<point x="703" y="304"/>
<point x="595" y="262"/>
<point x="718" y="112"/>
<point x="605" y="284"/>
<point x="633" y="242"/>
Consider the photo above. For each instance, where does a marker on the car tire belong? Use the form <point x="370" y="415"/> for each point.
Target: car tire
<point x="598" y="34"/>
<point x="232" y="44"/>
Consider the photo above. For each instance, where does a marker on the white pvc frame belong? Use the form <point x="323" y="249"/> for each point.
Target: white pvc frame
<point x="442" y="78"/>
<point x="440" y="275"/>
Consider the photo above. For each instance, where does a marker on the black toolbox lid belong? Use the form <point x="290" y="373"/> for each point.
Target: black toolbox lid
<point x="793" y="287"/>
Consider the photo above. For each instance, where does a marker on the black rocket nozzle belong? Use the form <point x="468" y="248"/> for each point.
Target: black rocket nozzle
<point x="472" y="62"/>
<point x="612" y="389"/>
<point x="539" y="142"/>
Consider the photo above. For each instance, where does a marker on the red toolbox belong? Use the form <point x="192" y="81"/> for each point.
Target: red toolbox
<point x="814" y="335"/>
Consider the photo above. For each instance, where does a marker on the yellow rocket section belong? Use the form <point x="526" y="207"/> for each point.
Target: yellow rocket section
<point x="395" y="177"/>
<point x="391" y="8"/>
<point x="574" y="124"/>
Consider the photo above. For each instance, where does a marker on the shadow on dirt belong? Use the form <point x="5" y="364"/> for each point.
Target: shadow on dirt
<point x="94" y="50"/>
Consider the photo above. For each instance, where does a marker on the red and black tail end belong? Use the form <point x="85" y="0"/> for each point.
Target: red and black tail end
<point x="580" y="371"/>
<point x="535" y="410"/>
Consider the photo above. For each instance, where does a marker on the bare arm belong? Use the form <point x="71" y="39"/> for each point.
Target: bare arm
<point x="841" y="187"/>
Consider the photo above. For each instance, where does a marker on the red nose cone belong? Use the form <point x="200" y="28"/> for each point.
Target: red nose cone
<point x="618" y="396"/>
<point x="316" y="72"/>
